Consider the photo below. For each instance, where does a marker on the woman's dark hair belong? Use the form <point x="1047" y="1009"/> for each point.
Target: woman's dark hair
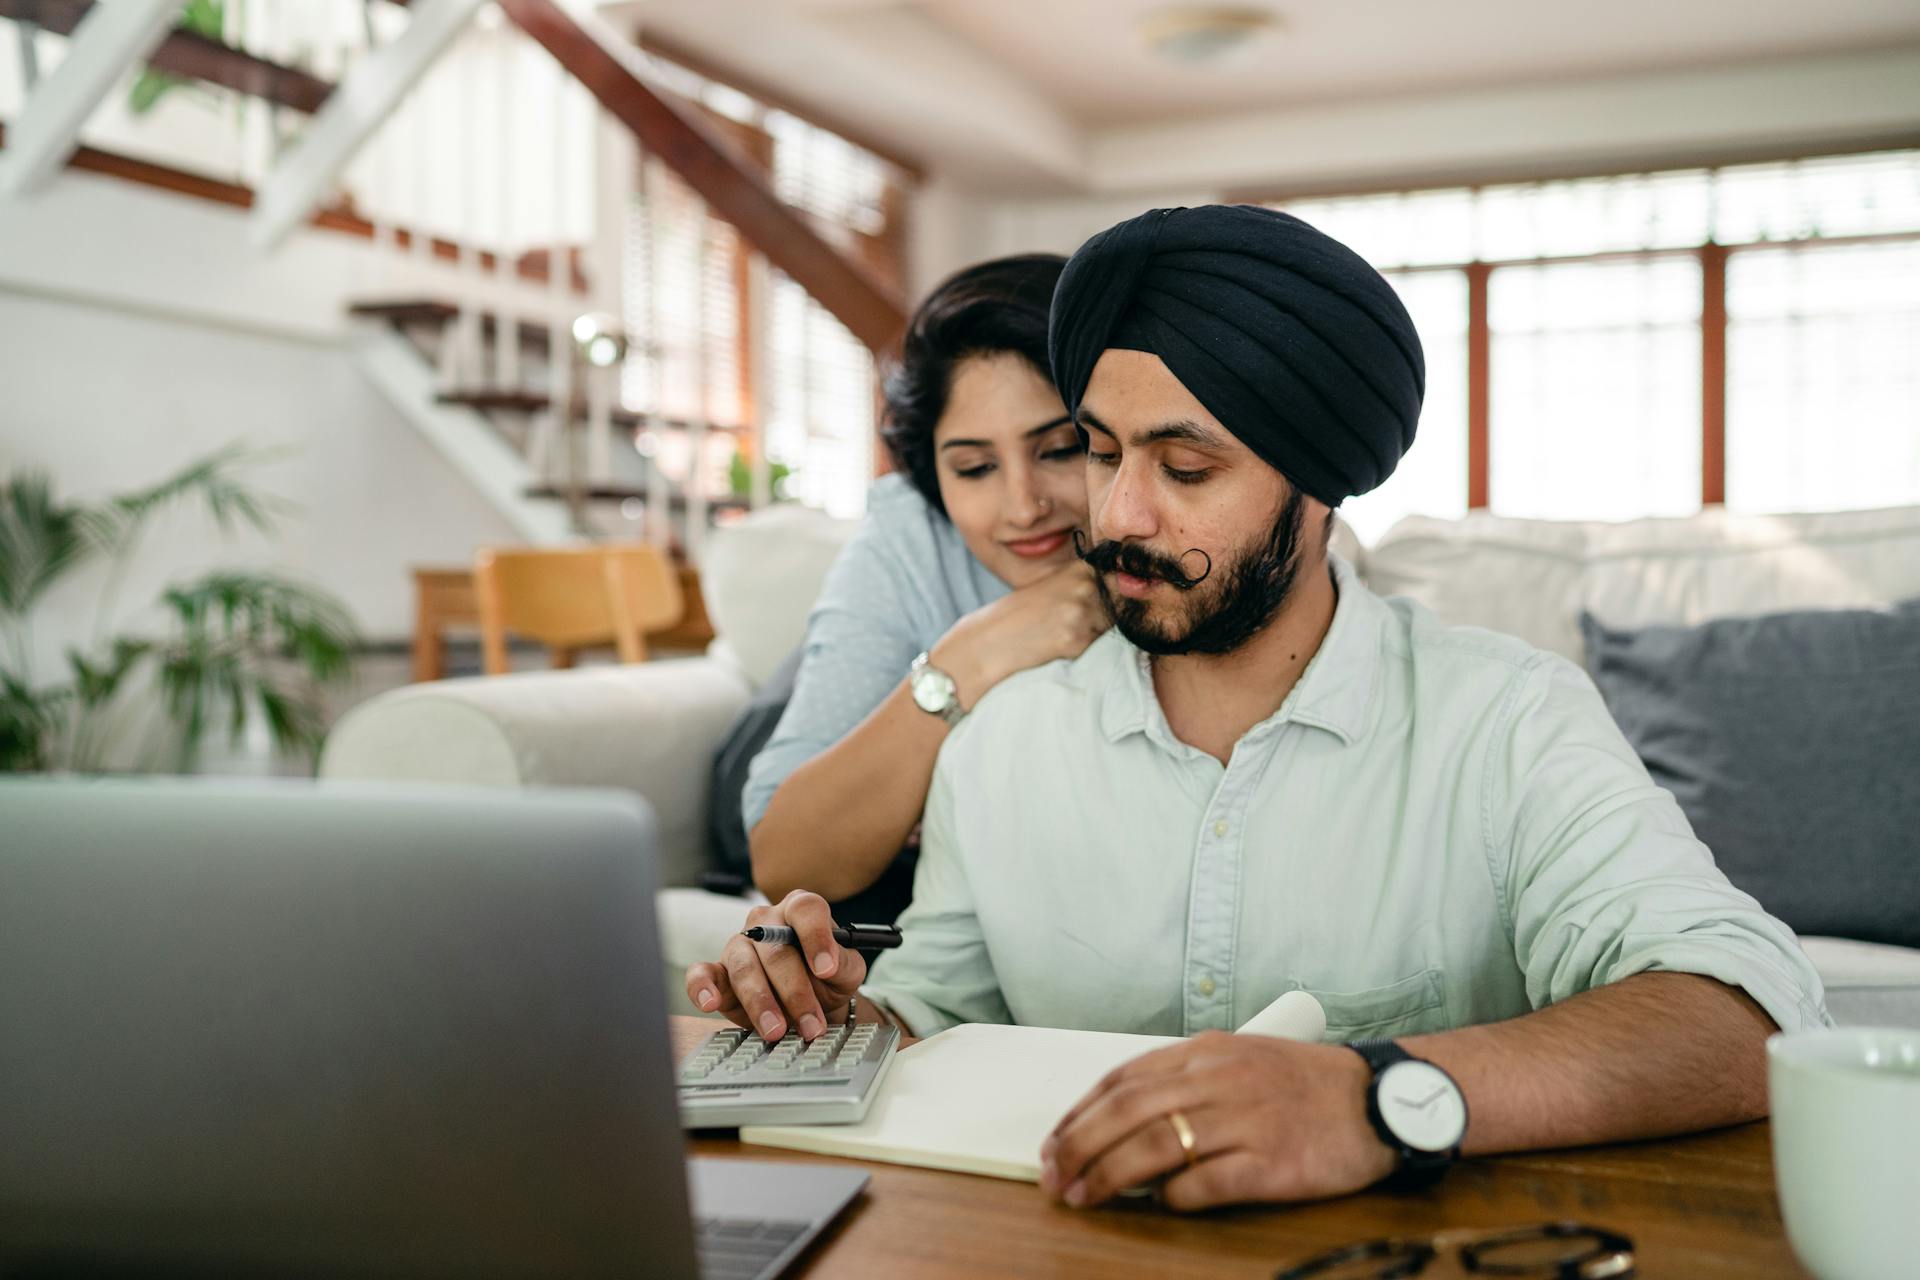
<point x="994" y="307"/>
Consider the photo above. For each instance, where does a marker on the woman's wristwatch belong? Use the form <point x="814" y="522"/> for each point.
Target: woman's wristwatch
<point x="934" y="691"/>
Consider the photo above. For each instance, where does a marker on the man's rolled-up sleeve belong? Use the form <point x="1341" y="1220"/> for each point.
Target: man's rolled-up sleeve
<point x="1602" y="875"/>
<point x="941" y="975"/>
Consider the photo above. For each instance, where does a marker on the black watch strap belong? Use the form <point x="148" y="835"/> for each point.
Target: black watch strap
<point x="1380" y="1054"/>
<point x="1417" y="1168"/>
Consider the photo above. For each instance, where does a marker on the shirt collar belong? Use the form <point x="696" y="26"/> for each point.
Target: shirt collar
<point x="1334" y="693"/>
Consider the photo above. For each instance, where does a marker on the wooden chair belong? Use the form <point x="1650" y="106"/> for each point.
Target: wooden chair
<point x="574" y="598"/>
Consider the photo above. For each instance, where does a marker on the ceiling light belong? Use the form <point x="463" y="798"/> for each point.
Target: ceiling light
<point x="1203" y="35"/>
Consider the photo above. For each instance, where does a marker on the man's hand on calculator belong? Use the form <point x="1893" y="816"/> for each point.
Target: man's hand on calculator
<point x="765" y="986"/>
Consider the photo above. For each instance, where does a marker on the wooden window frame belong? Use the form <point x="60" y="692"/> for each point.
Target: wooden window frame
<point x="1713" y="258"/>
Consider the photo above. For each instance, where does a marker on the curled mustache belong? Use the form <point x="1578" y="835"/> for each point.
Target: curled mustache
<point x="1132" y="558"/>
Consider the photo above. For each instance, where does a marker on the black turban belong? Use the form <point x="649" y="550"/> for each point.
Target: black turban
<point x="1286" y="335"/>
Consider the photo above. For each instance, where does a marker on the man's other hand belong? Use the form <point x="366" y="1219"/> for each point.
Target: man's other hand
<point x="1271" y="1119"/>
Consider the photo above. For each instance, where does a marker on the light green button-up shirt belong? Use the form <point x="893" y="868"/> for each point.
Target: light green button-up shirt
<point x="1441" y="826"/>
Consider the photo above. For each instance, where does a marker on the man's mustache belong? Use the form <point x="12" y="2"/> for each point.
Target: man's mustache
<point x="1132" y="558"/>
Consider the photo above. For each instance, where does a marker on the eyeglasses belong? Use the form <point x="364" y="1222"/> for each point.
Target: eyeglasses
<point x="1549" y="1251"/>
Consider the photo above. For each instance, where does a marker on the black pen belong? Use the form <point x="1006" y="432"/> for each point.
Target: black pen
<point x="855" y="937"/>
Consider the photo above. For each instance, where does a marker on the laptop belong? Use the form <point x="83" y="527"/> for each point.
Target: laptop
<point x="301" y="1029"/>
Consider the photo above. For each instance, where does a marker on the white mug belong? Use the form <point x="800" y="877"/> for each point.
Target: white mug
<point x="1846" y="1149"/>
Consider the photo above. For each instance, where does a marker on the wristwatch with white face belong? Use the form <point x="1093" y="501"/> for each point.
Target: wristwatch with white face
<point x="1417" y="1110"/>
<point x="934" y="691"/>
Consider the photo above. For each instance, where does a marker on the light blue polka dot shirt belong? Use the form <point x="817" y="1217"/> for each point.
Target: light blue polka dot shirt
<point x="900" y="584"/>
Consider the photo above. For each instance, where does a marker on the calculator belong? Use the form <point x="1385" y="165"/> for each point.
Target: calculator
<point x="737" y="1078"/>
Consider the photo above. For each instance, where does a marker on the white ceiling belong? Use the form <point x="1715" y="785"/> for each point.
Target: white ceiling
<point x="1061" y="95"/>
<point x="1087" y="58"/>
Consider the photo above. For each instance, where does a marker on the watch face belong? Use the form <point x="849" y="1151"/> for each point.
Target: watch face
<point x="932" y="689"/>
<point x="1422" y="1106"/>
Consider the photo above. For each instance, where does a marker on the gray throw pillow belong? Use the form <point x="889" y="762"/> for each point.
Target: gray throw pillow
<point x="1792" y="742"/>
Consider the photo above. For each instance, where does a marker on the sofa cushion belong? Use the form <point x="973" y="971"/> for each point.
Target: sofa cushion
<point x="1789" y="740"/>
<point x="760" y="576"/>
<point x="1533" y="578"/>
<point x="1867" y="983"/>
<point x="649" y="727"/>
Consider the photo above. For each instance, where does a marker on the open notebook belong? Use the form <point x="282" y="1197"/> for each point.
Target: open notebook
<point x="980" y="1098"/>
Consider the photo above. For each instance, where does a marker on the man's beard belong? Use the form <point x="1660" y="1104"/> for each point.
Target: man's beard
<point x="1252" y="588"/>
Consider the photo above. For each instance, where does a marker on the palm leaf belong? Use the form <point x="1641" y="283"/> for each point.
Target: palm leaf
<point x="232" y="632"/>
<point x="114" y="524"/>
<point x="95" y="683"/>
<point x="29" y="722"/>
<point x="231" y="625"/>
<point x="272" y="614"/>
<point x="294" y="722"/>
<point x="40" y="540"/>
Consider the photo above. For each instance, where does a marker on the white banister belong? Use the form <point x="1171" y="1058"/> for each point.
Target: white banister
<point x="613" y="177"/>
<point x="114" y="36"/>
<point x="506" y="317"/>
<point x="556" y="423"/>
<point x="695" y="536"/>
<point x="659" y="514"/>
<point x="364" y="98"/>
<point x="469" y="266"/>
<point x="759" y="356"/>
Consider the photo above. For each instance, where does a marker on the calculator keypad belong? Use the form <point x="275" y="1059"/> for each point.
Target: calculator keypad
<point x="756" y="1076"/>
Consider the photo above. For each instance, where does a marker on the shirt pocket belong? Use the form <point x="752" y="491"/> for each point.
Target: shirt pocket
<point x="1410" y="1006"/>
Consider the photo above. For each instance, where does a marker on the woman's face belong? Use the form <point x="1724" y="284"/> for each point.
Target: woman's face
<point x="1011" y="468"/>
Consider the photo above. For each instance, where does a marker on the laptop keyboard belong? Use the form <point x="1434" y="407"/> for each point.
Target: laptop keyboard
<point x="742" y="1248"/>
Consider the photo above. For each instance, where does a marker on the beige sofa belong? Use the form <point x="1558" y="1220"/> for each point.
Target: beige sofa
<point x="654" y="727"/>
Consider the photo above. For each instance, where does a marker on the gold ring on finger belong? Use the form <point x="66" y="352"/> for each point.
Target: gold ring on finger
<point x="1183" y="1131"/>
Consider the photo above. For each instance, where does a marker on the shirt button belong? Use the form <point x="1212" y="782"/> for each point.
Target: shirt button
<point x="1220" y="827"/>
<point x="1204" y="986"/>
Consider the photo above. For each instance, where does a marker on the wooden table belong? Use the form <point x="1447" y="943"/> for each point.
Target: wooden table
<point x="1696" y="1208"/>
<point x="444" y="597"/>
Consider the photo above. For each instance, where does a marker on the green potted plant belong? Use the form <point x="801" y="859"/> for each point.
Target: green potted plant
<point x="236" y="643"/>
<point x="740" y="477"/>
<point x="206" y="18"/>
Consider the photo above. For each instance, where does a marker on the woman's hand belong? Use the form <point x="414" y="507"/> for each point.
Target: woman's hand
<point x="1055" y="617"/>
<point x="766" y="987"/>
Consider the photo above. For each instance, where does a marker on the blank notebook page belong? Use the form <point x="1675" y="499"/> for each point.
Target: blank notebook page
<point x="978" y="1098"/>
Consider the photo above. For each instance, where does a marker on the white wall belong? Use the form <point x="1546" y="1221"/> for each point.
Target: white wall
<point x="138" y="332"/>
<point x="109" y="400"/>
<point x="953" y="227"/>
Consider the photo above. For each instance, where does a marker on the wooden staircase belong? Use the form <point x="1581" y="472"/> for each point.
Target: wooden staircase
<point x="431" y="317"/>
<point x="427" y="322"/>
<point x="735" y="184"/>
<point x="495" y="400"/>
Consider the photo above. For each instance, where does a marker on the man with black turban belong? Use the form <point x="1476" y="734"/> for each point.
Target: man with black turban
<point x="1267" y="780"/>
